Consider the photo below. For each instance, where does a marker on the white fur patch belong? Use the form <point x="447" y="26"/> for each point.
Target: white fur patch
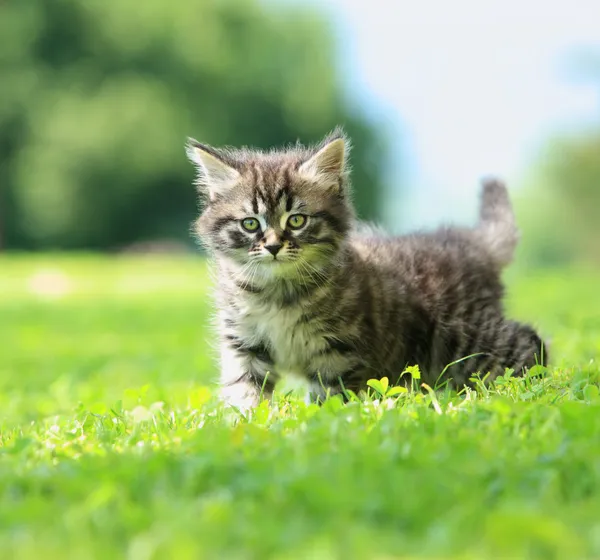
<point x="290" y="345"/>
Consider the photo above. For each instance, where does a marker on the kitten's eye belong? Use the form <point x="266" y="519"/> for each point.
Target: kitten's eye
<point x="250" y="224"/>
<point x="296" y="221"/>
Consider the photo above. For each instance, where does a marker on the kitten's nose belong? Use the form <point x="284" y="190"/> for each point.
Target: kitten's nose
<point x="273" y="248"/>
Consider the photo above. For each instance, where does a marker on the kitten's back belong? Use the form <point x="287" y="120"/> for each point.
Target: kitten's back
<point x="491" y="242"/>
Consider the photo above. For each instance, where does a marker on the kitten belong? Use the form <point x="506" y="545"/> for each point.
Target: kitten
<point x="301" y="291"/>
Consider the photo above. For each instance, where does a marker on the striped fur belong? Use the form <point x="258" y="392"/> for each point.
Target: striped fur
<point x="338" y="305"/>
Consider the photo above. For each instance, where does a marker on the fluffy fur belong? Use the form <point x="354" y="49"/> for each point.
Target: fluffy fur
<point x="336" y="304"/>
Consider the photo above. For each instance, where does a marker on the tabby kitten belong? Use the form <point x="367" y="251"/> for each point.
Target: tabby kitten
<point x="302" y="291"/>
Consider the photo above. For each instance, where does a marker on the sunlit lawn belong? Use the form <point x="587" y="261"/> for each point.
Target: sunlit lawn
<point x="111" y="446"/>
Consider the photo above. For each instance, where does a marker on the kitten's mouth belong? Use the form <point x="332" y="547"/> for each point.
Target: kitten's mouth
<point x="278" y="266"/>
<point x="277" y="259"/>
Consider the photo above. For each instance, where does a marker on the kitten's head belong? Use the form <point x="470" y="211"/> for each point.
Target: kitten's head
<point x="282" y="209"/>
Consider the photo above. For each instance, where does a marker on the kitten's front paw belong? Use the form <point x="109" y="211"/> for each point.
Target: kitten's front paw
<point x="242" y="396"/>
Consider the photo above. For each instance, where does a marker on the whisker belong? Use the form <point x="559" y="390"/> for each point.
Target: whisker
<point x="313" y="278"/>
<point x="248" y="273"/>
<point x="315" y="273"/>
<point x="298" y="263"/>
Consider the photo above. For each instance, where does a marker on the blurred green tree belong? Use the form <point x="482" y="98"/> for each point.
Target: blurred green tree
<point x="561" y="209"/>
<point x="98" y="97"/>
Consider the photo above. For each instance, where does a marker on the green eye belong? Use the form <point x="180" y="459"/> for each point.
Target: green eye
<point x="250" y="224"/>
<point x="296" y="221"/>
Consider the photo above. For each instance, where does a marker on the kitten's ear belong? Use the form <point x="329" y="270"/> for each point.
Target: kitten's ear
<point x="329" y="162"/>
<point x="215" y="176"/>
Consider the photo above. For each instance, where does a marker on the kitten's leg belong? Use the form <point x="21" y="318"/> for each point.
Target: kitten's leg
<point x="521" y="347"/>
<point x="511" y="345"/>
<point x="354" y="379"/>
<point x="318" y="391"/>
<point x="242" y="379"/>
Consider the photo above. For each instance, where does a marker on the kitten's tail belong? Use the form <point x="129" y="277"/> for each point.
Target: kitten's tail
<point x="497" y="225"/>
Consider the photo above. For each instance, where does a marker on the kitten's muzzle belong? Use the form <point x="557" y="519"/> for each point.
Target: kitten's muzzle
<point x="274" y="248"/>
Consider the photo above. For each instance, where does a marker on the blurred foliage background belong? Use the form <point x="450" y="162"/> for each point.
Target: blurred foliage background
<point x="98" y="97"/>
<point x="560" y="205"/>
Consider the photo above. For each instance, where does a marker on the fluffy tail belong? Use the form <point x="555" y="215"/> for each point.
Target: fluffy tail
<point x="497" y="225"/>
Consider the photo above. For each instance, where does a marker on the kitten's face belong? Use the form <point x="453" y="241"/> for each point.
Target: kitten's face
<point x="284" y="212"/>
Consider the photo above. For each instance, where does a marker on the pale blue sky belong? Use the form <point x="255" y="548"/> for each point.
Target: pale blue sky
<point x="474" y="87"/>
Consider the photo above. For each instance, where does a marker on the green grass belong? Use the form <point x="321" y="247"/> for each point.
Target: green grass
<point x="111" y="445"/>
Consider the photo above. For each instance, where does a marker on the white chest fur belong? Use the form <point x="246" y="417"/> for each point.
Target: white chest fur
<point x="292" y="343"/>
